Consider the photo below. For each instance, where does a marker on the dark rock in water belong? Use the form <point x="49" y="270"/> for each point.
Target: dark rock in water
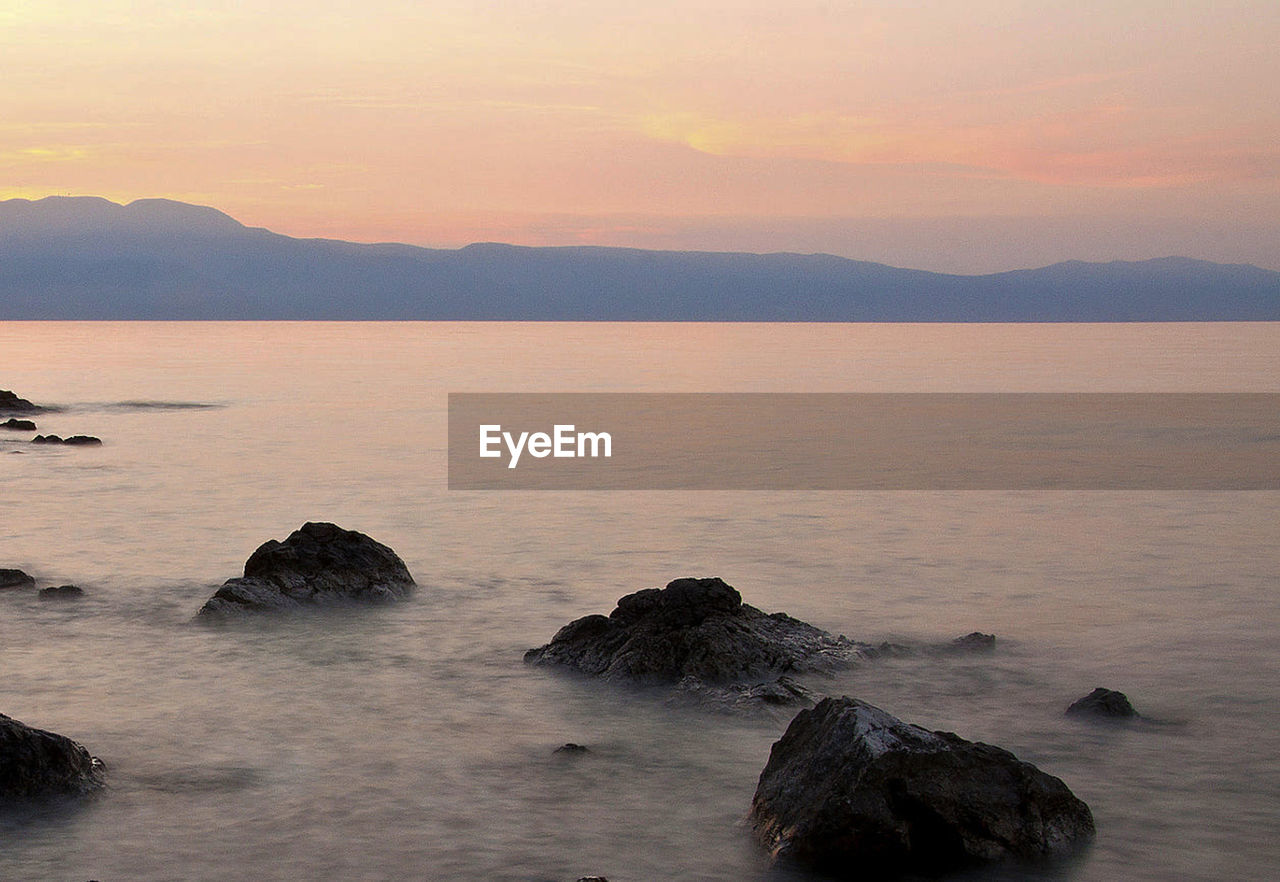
<point x="572" y="748"/>
<point x="1103" y="703"/>
<point x="18" y="425"/>
<point x="61" y="592"/>
<point x="11" y="403"/>
<point x="697" y="628"/>
<point x="16" y="579"/>
<point x="318" y="564"/>
<point x="743" y="697"/>
<point x="852" y="791"/>
<point x="74" y="440"/>
<point x="973" y="642"/>
<point x="35" y="764"/>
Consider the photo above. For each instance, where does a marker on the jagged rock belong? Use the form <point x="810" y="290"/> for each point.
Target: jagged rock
<point x="11" y="403"/>
<point x="61" y="592"/>
<point x="16" y="579"/>
<point x="47" y="439"/>
<point x="852" y="791"/>
<point x="35" y="764"/>
<point x="697" y="628"/>
<point x="18" y="425"/>
<point x="1103" y="703"/>
<point x="319" y="564"/>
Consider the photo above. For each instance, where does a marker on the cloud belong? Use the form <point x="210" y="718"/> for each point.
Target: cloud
<point x="1106" y="145"/>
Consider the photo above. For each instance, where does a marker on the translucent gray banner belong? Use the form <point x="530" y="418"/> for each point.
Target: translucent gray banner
<point x="855" y="441"/>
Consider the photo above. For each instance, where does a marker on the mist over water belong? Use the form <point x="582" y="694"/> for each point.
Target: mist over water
<point x="410" y="741"/>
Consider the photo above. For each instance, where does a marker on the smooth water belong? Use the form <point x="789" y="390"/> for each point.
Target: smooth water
<point x="411" y="742"/>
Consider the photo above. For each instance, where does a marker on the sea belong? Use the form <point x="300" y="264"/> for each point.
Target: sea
<point x="411" y="741"/>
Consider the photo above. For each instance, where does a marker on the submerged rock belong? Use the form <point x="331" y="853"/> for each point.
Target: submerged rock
<point x="319" y="564"/>
<point x="35" y="764"/>
<point x="737" y="697"/>
<point x="61" y="592"/>
<point x="11" y="403"/>
<point x="974" y="642"/>
<point x="16" y="579"/>
<point x="572" y="748"/>
<point x="852" y="791"/>
<point x="18" y="425"/>
<point x="1103" y="704"/>
<point x="693" y="628"/>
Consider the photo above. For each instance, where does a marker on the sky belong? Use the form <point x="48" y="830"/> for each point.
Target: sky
<point x="960" y="136"/>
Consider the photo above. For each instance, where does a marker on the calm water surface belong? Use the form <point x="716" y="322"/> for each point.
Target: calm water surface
<point x="410" y="742"/>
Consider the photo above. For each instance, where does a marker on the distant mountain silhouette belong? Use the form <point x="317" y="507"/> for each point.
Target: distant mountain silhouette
<point x="87" y="258"/>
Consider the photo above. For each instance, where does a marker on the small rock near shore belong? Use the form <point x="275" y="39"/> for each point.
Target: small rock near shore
<point x="18" y="425"/>
<point x="35" y="764"/>
<point x="852" y="791"/>
<point x="318" y="564"/>
<point x="1103" y="704"/>
<point x="61" y="592"/>
<point x="73" y="441"/>
<point x="693" y="628"/>
<point x="16" y="579"/>
<point x="10" y="402"/>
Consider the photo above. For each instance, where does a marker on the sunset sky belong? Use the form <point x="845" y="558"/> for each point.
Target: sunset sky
<point x="967" y="136"/>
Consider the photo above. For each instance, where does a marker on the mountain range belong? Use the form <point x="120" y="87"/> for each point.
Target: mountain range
<point x="88" y="258"/>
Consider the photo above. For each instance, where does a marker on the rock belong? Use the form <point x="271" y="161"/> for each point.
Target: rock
<point x="740" y="697"/>
<point x="974" y="642"/>
<point x="62" y="592"/>
<point x="1103" y="704"/>
<point x="18" y="425"/>
<point x="11" y="403"/>
<point x="853" y="791"/>
<point x="697" y="628"/>
<point x="319" y="564"/>
<point x="74" y="440"/>
<point x="35" y="764"/>
<point x="572" y="748"/>
<point x="16" y="579"/>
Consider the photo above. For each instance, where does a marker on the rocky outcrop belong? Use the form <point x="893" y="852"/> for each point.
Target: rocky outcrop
<point x="35" y="764"/>
<point x="852" y="791"/>
<point x="1105" y="704"/>
<point x="61" y="592"/>
<point x="11" y="403"/>
<point x="318" y="564"/>
<point x="693" y="628"/>
<point x="16" y="579"/>
<point x="73" y="441"/>
<point x="18" y="425"/>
